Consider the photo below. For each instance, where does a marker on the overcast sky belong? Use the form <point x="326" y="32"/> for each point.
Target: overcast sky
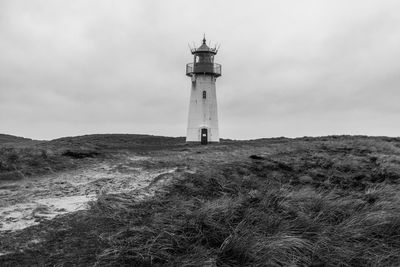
<point x="289" y="68"/>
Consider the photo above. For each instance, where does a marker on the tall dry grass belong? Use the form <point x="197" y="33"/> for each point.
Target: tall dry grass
<point x="331" y="201"/>
<point x="216" y="220"/>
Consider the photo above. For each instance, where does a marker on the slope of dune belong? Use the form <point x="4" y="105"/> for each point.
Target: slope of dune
<point x="325" y="201"/>
<point x="6" y="138"/>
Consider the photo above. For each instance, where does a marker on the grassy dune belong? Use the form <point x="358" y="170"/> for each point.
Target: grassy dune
<point x="21" y="158"/>
<point x="329" y="201"/>
<point x="6" y="138"/>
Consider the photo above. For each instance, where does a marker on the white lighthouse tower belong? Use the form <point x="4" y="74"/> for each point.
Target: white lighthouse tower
<point x="203" y="115"/>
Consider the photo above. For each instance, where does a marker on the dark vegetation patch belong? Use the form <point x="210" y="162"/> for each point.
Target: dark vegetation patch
<point x="256" y="157"/>
<point x="329" y="201"/>
<point x="80" y="154"/>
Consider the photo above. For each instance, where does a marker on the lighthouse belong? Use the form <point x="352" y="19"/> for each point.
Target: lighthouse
<point x="203" y="115"/>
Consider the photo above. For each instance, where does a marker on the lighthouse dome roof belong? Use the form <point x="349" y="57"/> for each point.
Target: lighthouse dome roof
<point x="204" y="48"/>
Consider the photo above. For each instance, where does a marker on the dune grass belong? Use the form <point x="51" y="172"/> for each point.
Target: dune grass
<point x="306" y="202"/>
<point x="238" y="220"/>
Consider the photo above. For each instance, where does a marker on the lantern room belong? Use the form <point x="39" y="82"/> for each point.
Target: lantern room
<point x="203" y="61"/>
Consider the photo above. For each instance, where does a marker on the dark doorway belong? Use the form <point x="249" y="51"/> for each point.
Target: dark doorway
<point x="204" y="137"/>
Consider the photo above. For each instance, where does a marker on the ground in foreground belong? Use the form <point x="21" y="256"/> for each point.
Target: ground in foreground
<point x="329" y="201"/>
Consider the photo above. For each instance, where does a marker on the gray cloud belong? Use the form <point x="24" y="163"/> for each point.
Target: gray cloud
<point x="290" y="68"/>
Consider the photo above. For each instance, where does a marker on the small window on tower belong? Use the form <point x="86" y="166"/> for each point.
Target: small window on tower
<point x="204" y="94"/>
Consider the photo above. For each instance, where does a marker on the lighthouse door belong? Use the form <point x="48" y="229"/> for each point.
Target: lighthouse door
<point x="204" y="137"/>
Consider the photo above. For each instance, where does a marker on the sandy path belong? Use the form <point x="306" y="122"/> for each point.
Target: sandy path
<point x="28" y="202"/>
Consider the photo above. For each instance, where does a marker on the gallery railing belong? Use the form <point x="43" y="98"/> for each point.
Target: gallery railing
<point x="203" y="68"/>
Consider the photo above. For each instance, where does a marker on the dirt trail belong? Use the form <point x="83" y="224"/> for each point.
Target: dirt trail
<point x="28" y="202"/>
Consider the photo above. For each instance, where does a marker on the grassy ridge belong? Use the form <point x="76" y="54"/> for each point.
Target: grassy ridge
<point x="21" y="157"/>
<point x="138" y="142"/>
<point x="6" y="138"/>
<point x="331" y="201"/>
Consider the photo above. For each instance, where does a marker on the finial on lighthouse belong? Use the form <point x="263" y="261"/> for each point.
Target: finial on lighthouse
<point x="204" y="38"/>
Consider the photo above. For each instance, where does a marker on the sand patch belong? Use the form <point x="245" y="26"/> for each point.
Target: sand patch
<point x="22" y="215"/>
